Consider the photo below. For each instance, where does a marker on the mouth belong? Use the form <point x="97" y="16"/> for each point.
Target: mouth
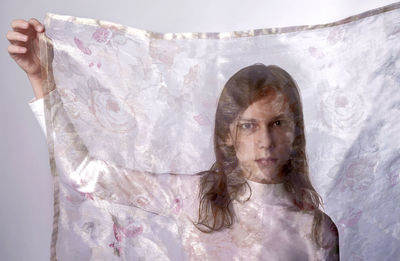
<point x="266" y="162"/>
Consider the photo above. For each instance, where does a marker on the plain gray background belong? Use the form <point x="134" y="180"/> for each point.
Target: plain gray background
<point x="26" y="190"/>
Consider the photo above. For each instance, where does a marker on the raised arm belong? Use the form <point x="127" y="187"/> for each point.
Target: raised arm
<point x="167" y="194"/>
<point x="170" y="195"/>
<point x="164" y="194"/>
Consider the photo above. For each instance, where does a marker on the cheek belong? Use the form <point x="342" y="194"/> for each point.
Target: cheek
<point x="285" y="136"/>
<point x="284" y="144"/>
<point x="245" y="149"/>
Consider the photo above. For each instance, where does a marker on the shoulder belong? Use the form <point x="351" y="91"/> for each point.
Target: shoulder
<point x="329" y="227"/>
<point x="330" y="238"/>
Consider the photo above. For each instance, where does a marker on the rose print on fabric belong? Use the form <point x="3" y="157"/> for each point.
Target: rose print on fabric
<point x="191" y="78"/>
<point x="177" y="205"/>
<point x="335" y="35"/>
<point x="132" y="229"/>
<point x="142" y="201"/>
<point x="83" y="195"/>
<point x="81" y="46"/>
<point x="341" y="111"/>
<point x="356" y="177"/>
<point x="144" y="101"/>
<point x="316" y="52"/>
<point x="91" y="64"/>
<point x="111" y="34"/>
<point x="102" y="35"/>
<point x="202" y="119"/>
<point x="352" y="218"/>
<point x="164" y="53"/>
<point x="112" y="113"/>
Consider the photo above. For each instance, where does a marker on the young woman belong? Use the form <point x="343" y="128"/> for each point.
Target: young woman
<point x="256" y="202"/>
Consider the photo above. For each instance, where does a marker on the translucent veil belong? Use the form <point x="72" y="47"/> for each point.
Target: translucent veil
<point x="125" y="105"/>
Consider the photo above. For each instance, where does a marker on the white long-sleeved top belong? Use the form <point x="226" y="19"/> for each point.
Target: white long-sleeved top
<point x="265" y="228"/>
<point x="37" y="108"/>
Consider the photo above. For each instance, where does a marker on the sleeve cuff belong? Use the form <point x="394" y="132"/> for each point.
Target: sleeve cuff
<point x="37" y="107"/>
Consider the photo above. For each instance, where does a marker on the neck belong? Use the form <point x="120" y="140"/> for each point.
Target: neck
<point x="276" y="179"/>
<point x="270" y="193"/>
<point x="265" y="181"/>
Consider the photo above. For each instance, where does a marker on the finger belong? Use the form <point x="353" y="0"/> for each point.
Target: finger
<point x="36" y="25"/>
<point x="16" y="36"/>
<point x="18" y="43"/>
<point x="13" y="49"/>
<point x="23" y="26"/>
<point x="19" y="24"/>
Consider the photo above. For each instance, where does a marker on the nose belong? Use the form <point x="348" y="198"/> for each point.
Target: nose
<point x="265" y="138"/>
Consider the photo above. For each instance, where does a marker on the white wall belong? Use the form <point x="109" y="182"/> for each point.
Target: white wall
<point x="26" y="192"/>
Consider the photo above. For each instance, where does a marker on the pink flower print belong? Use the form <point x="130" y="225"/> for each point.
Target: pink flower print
<point x="91" y="64"/>
<point x="102" y="35"/>
<point x="82" y="46"/>
<point x="112" y="105"/>
<point x="84" y="194"/>
<point x="88" y="196"/>
<point x="335" y="35"/>
<point x="191" y="76"/>
<point x="315" y="52"/>
<point x="355" y="178"/>
<point x="116" y="247"/>
<point x="142" y="201"/>
<point x="122" y="232"/>
<point x="111" y="27"/>
<point x="117" y="232"/>
<point x="352" y="219"/>
<point x="177" y="205"/>
<point x="202" y="119"/>
<point x="132" y="230"/>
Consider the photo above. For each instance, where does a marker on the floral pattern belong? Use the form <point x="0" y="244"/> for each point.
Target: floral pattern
<point x="131" y="103"/>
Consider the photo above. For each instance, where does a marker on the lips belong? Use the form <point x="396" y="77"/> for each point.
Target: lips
<point x="266" y="162"/>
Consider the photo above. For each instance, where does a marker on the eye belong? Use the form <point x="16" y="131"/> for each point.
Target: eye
<point x="246" y="126"/>
<point x="277" y="123"/>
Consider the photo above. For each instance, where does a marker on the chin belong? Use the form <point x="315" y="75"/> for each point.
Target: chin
<point x="273" y="174"/>
<point x="266" y="175"/>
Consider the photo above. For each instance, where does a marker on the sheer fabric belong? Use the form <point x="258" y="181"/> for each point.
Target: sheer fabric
<point x="129" y="122"/>
<point x="170" y="205"/>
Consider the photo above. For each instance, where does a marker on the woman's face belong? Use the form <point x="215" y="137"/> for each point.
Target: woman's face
<point x="262" y="137"/>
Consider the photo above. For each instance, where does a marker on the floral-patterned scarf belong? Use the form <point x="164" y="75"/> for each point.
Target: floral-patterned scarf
<point x="124" y="100"/>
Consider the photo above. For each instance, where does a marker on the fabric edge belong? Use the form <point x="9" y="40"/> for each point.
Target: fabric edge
<point x="45" y="55"/>
<point x="220" y="35"/>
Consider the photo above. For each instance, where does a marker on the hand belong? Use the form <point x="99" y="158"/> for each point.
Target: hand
<point x="25" y="50"/>
<point x="24" y="47"/>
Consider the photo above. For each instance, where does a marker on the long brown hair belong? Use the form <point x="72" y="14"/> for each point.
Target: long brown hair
<point x="224" y="182"/>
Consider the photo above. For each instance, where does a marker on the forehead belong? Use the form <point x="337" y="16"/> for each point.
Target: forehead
<point x="272" y="105"/>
